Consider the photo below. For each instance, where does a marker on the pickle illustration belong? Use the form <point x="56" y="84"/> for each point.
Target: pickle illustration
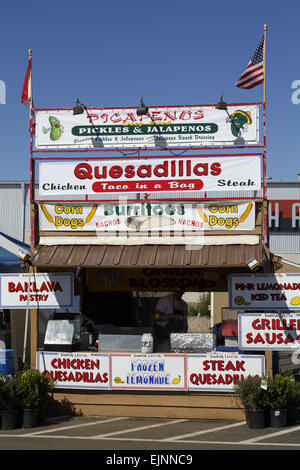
<point x="56" y="128"/>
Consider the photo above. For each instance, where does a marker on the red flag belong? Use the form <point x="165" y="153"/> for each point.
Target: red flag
<point x="254" y="73"/>
<point x="26" y="92"/>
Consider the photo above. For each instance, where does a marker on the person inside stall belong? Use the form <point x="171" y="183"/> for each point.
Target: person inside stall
<point x="170" y="316"/>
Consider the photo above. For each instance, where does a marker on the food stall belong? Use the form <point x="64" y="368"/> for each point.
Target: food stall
<point x="127" y="229"/>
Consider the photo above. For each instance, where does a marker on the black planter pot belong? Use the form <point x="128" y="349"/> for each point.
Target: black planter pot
<point x="292" y="414"/>
<point x="278" y="417"/>
<point x="256" y="419"/>
<point x="9" y="419"/>
<point x="29" y="417"/>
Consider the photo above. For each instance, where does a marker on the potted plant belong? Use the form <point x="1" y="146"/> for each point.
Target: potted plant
<point x="46" y="386"/>
<point x="11" y="392"/>
<point x="294" y="402"/>
<point x="30" y="397"/>
<point x="281" y="392"/>
<point x="251" y="393"/>
<point x="37" y="386"/>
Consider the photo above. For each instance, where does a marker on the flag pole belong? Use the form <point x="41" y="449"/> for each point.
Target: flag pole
<point x="266" y="237"/>
<point x="26" y="326"/>
<point x="265" y="40"/>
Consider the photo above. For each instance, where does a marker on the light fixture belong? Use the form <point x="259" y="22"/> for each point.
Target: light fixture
<point x="22" y="254"/>
<point x="142" y="110"/>
<point x="79" y="108"/>
<point x="254" y="265"/>
<point x="221" y="104"/>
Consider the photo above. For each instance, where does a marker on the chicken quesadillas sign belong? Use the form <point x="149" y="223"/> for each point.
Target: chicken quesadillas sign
<point x="148" y="216"/>
<point x="161" y="127"/>
<point x="150" y="175"/>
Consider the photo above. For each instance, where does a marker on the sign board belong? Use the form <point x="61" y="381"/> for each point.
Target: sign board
<point x="264" y="291"/>
<point x="148" y="371"/>
<point x="269" y="331"/>
<point x="38" y="290"/>
<point x="173" y="126"/>
<point x="150" y="175"/>
<point x="149" y="216"/>
<point x="220" y="371"/>
<point x="75" y="369"/>
<point x="155" y="280"/>
<point x="284" y="215"/>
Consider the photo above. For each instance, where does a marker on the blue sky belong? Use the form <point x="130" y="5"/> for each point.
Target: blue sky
<point x="170" y="52"/>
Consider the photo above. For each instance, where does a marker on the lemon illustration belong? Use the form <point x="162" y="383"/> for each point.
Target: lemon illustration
<point x="239" y="300"/>
<point x="118" y="380"/>
<point x="177" y="380"/>
<point x="295" y="301"/>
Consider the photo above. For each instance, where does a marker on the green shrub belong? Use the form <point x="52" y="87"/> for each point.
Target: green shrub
<point x="250" y="393"/>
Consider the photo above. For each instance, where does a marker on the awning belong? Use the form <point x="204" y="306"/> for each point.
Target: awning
<point x="151" y="256"/>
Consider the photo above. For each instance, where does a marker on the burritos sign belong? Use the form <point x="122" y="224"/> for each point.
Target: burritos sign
<point x="220" y="371"/>
<point x="269" y="331"/>
<point x="150" y="175"/>
<point x="264" y="291"/>
<point x="38" y="290"/>
<point x="75" y="370"/>
<point x="149" y="216"/>
<point x="163" y="127"/>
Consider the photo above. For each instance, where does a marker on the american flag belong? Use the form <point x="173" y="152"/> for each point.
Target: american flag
<point x="254" y="73"/>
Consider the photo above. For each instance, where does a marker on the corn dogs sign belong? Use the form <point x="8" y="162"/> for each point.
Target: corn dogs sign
<point x="163" y="127"/>
<point x="138" y="218"/>
<point x="150" y="175"/>
<point x="39" y="290"/>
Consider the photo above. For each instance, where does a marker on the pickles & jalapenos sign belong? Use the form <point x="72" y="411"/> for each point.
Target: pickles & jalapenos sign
<point x="196" y="125"/>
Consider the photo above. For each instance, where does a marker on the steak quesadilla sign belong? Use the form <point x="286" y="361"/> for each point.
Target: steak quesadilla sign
<point x="150" y="175"/>
<point x="162" y="127"/>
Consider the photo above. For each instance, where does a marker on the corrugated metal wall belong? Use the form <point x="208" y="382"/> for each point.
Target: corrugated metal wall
<point x="15" y="210"/>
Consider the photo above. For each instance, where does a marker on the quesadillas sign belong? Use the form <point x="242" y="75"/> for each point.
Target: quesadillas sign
<point x="148" y="216"/>
<point x="150" y="175"/>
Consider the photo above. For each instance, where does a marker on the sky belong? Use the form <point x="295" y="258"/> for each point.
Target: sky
<point x="170" y="52"/>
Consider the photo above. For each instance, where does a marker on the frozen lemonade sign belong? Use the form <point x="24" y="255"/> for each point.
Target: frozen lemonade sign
<point x="148" y="371"/>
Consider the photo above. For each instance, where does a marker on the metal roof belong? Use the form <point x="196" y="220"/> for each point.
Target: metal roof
<point x="155" y="256"/>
